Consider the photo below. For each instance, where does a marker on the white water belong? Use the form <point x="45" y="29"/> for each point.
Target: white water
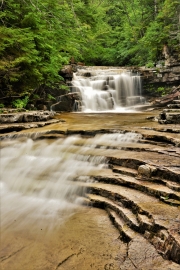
<point x="107" y="90"/>
<point x="37" y="186"/>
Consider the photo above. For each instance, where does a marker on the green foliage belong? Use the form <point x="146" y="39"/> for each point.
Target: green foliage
<point x="64" y="87"/>
<point x="20" y="103"/>
<point x="38" y="37"/>
<point x="150" y="65"/>
<point x="160" y="91"/>
<point x="30" y="50"/>
<point x="1" y="105"/>
<point x="163" y="90"/>
<point x="140" y="29"/>
<point x="50" y="97"/>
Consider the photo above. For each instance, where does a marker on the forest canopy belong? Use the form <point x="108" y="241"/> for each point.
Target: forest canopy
<point x="39" y="36"/>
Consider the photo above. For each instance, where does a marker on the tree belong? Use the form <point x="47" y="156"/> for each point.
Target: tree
<point x="140" y="28"/>
<point x="30" y="45"/>
<point x="38" y="37"/>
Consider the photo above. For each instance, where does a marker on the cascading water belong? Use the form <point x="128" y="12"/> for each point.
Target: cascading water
<point x="40" y="179"/>
<point x="108" y="90"/>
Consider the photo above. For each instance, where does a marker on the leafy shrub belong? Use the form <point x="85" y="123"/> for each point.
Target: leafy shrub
<point x="64" y="87"/>
<point x="150" y="65"/>
<point x="163" y="90"/>
<point x="160" y="90"/>
<point x="50" y="97"/>
<point x="20" y="103"/>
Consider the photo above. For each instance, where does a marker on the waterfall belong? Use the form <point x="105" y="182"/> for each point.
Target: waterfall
<point x="104" y="90"/>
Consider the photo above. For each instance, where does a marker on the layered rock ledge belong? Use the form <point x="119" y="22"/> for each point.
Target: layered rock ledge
<point x="21" y="117"/>
<point x="140" y="186"/>
<point x="141" y="193"/>
<point x="17" y="121"/>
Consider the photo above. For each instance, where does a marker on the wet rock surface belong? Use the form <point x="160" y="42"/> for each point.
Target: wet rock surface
<point x="32" y="116"/>
<point x="16" y="121"/>
<point x="14" y="127"/>
<point x="139" y="189"/>
<point x="87" y="240"/>
<point x="171" y="113"/>
<point x="67" y="103"/>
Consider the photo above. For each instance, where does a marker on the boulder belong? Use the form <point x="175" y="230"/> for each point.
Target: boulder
<point x="169" y="117"/>
<point x="146" y="171"/>
<point x="67" y="103"/>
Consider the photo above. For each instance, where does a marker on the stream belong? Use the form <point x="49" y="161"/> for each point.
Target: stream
<point x="45" y="172"/>
<point x="37" y="177"/>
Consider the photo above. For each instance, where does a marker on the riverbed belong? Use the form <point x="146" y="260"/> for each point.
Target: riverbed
<point x="76" y="237"/>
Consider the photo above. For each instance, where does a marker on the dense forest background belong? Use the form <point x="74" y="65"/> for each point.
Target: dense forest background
<point x="38" y="37"/>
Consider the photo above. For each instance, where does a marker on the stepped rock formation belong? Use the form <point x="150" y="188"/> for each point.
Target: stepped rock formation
<point x="139" y="187"/>
<point x="171" y="114"/>
<point x="141" y="195"/>
<point x="16" y="121"/>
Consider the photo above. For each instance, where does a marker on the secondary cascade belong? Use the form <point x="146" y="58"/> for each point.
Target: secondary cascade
<point x="39" y="182"/>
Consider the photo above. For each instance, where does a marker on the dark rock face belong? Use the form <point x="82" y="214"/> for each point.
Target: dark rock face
<point x="67" y="71"/>
<point x="161" y="74"/>
<point x="68" y="103"/>
<point x="170" y="98"/>
<point x="170" y="115"/>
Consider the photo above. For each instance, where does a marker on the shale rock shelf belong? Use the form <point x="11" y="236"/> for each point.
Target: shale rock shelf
<point x="138" y="186"/>
<point x="142" y="198"/>
<point x="17" y="121"/>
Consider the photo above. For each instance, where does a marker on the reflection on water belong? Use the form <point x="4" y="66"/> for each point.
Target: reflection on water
<point x="37" y="186"/>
